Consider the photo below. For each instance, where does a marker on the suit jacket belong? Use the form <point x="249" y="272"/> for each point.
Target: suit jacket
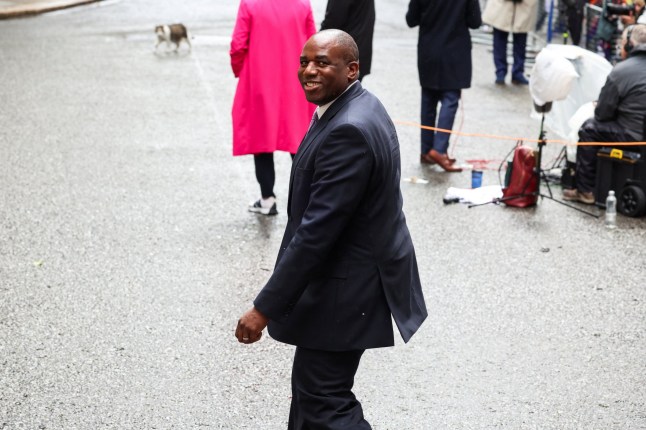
<point x="357" y="18"/>
<point x="444" y="45"/>
<point x="346" y="262"/>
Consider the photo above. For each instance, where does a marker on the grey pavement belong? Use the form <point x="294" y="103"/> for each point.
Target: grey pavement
<point x="127" y="253"/>
<point x="21" y="8"/>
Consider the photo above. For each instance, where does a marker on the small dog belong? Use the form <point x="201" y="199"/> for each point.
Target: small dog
<point x="173" y="33"/>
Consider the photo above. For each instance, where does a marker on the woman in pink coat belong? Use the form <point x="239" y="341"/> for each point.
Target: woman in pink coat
<point x="270" y="112"/>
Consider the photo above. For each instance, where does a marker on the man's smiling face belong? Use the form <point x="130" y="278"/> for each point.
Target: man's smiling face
<point x="324" y="72"/>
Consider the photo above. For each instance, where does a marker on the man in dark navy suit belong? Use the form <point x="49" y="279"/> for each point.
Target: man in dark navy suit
<point x="346" y="262"/>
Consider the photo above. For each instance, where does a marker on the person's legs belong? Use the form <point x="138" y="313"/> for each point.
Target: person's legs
<point x="586" y="156"/>
<point x="500" y="54"/>
<point x="265" y="173"/>
<point x="575" y="22"/>
<point x="430" y="98"/>
<point x="450" y="100"/>
<point x="586" y="167"/>
<point x="322" y="395"/>
<point x="266" y="177"/>
<point x="518" y="68"/>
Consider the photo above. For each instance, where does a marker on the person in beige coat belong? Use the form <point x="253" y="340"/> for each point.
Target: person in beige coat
<point x="510" y="16"/>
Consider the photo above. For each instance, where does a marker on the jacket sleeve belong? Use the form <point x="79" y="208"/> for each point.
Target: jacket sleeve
<point x="341" y="175"/>
<point x="474" y="16"/>
<point x="240" y="39"/>
<point x="606" y="109"/>
<point x="336" y="14"/>
<point x="413" y="16"/>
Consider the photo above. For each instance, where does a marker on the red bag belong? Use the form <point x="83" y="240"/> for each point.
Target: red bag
<point x="522" y="189"/>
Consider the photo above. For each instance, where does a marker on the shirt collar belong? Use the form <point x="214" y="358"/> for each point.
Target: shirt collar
<point x="320" y="110"/>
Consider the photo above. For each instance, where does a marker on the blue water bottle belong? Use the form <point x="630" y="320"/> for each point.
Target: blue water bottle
<point x="476" y="178"/>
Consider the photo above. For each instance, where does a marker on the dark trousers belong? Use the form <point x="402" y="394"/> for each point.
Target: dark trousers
<point x="449" y="101"/>
<point x="265" y="173"/>
<point x="573" y="14"/>
<point x="500" y="54"/>
<point x="586" y="156"/>
<point x="322" y="397"/>
<point x="575" y="21"/>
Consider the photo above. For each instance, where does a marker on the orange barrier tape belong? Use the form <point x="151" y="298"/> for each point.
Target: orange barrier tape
<point x="525" y="139"/>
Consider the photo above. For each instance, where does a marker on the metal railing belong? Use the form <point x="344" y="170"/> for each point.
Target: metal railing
<point x="593" y="16"/>
<point x="556" y="30"/>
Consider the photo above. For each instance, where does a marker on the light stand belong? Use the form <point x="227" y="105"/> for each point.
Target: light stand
<point x="539" y="173"/>
<point x="542" y="176"/>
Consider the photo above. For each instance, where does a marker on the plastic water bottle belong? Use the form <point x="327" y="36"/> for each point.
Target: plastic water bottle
<point x="611" y="210"/>
<point x="476" y="178"/>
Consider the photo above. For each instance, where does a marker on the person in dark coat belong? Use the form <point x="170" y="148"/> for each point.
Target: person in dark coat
<point x="573" y="11"/>
<point x="444" y="65"/>
<point x="619" y="115"/>
<point x="357" y="18"/>
<point x="346" y="267"/>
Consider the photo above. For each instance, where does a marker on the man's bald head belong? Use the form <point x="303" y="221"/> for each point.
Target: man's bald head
<point x="329" y="64"/>
<point x="342" y="40"/>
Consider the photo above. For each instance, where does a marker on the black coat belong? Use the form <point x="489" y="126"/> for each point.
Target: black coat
<point x="623" y="96"/>
<point x="357" y="18"/>
<point x="346" y="262"/>
<point x="444" y="45"/>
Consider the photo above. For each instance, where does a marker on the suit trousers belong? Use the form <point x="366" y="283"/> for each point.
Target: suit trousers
<point x="449" y="101"/>
<point x="322" y="397"/>
<point x="586" y="156"/>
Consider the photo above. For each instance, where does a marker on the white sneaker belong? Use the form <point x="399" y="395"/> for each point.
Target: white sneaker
<point x="264" y="206"/>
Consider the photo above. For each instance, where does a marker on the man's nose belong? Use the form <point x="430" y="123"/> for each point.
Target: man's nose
<point x="310" y="69"/>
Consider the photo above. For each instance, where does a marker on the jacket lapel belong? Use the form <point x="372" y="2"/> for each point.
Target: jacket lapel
<point x="322" y="122"/>
<point x="311" y="135"/>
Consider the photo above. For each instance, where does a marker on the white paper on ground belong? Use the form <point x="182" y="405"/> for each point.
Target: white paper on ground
<point x="415" y="180"/>
<point x="475" y="196"/>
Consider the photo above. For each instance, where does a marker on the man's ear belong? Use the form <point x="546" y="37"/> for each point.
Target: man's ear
<point x="353" y="70"/>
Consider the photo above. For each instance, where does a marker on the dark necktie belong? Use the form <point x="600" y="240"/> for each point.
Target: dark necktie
<point x="315" y="119"/>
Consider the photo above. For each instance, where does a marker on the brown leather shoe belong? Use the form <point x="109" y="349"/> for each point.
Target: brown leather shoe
<point x="444" y="161"/>
<point x="426" y="159"/>
<point x="574" y="195"/>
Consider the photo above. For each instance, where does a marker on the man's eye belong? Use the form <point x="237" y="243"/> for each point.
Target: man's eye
<point x="321" y="64"/>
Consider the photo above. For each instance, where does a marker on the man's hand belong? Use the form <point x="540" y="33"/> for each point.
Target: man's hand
<point x="250" y="326"/>
<point x="628" y="19"/>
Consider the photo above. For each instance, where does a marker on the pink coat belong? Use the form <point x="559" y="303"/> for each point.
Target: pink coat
<point x="270" y="112"/>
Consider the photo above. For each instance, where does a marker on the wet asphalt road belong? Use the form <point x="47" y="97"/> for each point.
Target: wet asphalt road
<point x="127" y="254"/>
